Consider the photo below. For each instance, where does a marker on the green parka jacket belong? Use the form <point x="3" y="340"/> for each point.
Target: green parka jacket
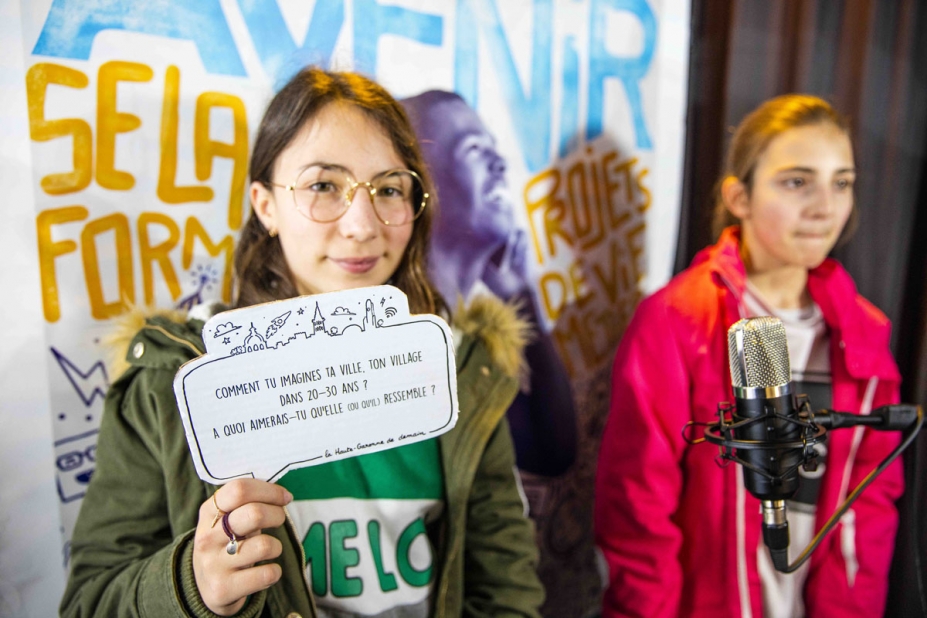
<point x="132" y="547"/>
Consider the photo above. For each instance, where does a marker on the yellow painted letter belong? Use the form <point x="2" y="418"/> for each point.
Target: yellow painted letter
<point x="99" y="308"/>
<point x="38" y="78"/>
<point x="206" y="149"/>
<point x="110" y="121"/>
<point x="168" y="192"/>
<point x="50" y="249"/>
<point x="149" y="254"/>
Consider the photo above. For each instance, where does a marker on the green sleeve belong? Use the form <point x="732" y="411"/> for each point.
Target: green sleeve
<point x="191" y="595"/>
<point x="131" y="551"/>
<point x="500" y="577"/>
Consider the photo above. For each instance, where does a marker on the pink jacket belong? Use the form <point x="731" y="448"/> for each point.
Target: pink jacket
<point x="680" y="534"/>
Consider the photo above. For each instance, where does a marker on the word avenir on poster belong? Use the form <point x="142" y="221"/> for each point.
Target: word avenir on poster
<point x="587" y="222"/>
<point x="94" y="155"/>
<point x="581" y="33"/>
<point x="306" y="380"/>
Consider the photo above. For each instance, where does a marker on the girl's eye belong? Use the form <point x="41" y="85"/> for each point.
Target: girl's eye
<point x="795" y="183"/>
<point x="322" y="187"/>
<point x="389" y="192"/>
<point x="844" y="184"/>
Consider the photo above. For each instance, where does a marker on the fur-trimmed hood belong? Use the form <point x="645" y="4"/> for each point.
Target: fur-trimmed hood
<point x="496" y="323"/>
<point x="125" y="327"/>
<point x="504" y="333"/>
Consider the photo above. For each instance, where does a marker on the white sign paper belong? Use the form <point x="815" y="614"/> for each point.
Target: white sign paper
<point x="314" y="379"/>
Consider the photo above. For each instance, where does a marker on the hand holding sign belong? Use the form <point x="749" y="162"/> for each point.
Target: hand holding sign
<point x="313" y="379"/>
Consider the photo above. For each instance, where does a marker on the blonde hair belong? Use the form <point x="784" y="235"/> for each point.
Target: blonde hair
<point x="754" y="134"/>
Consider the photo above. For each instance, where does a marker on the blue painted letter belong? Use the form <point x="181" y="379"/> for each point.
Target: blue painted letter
<point x="630" y="71"/>
<point x="72" y="25"/>
<point x="275" y="46"/>
<point x="569" y="117"/>
<point x="372" y="20"/>
<point x="530" y="113"/>
<point x="466" y="54"/>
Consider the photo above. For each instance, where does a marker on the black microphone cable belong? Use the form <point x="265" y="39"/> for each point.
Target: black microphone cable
<point x="852" y="496"/>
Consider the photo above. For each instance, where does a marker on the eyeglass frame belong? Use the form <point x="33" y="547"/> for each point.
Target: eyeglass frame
<point x="351" y="192"/>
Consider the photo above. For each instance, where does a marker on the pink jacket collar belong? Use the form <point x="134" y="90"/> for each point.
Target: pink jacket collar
<point x="861" y="329"/>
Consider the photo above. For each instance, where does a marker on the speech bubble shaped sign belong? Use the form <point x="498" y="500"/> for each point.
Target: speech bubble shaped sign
<point x="314" y="379"/>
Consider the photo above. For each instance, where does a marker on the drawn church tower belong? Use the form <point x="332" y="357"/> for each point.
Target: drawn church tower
<point x="318" y="321"/>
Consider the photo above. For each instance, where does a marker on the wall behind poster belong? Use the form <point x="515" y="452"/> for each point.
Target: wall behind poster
<point x="126" y="129"/>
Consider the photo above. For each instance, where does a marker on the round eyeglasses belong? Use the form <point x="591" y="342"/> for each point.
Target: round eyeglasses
<point x="324" y="193"/>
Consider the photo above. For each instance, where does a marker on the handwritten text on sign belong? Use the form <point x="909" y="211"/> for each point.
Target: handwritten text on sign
<point x="314" y="379"/>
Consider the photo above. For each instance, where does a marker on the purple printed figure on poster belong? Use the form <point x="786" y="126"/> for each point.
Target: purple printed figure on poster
<point x="476" y="248"/>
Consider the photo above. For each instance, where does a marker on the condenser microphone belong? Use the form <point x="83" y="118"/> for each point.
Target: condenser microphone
<point x="765" y="414"/>
<point x="771" y="432"/>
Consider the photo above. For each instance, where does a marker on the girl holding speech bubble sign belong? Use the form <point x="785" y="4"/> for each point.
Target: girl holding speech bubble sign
<point x="341" y="199"/>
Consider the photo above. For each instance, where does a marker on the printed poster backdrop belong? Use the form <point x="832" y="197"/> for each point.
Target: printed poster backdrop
<point x="555" y="130"/>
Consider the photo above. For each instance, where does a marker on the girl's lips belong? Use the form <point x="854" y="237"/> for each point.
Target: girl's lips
<point x="357" y="266"/>
<point x="813" y="235"/>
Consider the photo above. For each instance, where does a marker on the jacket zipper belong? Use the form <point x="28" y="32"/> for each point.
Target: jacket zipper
<point x="443" y="592"/>
<point x="452" y="553"/>
<point x="302" y="552"/>
<point x="173" y="337"/>
<point x="848" y="521"/>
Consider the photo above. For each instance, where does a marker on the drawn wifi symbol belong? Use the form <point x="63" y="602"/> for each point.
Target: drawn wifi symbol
<point x="390" y="312"/>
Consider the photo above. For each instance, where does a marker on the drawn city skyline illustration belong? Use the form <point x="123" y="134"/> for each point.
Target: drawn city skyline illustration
<point x="258" y="333"/>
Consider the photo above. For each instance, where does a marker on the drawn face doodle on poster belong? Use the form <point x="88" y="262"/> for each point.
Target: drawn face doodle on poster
<point x="314" y="379"/>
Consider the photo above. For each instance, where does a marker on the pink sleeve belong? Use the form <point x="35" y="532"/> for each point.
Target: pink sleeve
<point x="639" y="480"/>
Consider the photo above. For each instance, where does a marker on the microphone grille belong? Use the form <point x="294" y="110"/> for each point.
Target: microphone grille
<point x="759" y="353"/>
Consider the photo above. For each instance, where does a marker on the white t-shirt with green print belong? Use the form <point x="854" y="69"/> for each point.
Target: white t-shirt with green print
<point x="363" y="523"/>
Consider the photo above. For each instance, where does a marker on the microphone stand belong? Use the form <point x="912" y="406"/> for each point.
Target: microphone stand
<point x="813" y="427"/>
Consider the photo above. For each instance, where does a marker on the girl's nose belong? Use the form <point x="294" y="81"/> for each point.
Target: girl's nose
<point x="360" y="222"/>
<point x="826" y="203"/>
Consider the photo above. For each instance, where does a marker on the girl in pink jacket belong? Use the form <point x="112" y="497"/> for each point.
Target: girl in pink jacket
<point x="680" y="534"/>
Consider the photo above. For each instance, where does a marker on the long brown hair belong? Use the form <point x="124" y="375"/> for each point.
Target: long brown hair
<point x="753" y="135"/>
<point x="260" y="266"/>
